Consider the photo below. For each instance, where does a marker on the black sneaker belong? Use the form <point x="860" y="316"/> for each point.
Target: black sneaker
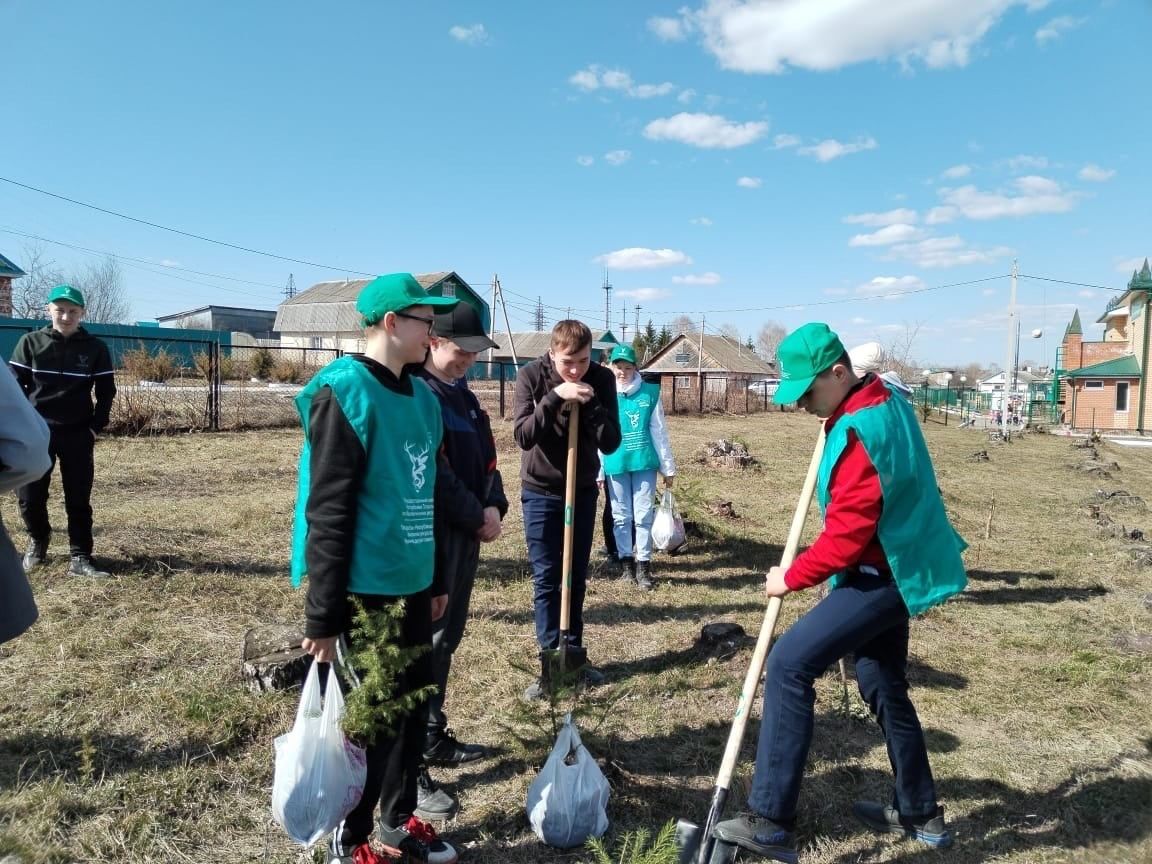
<point x="417" y="840"/>
<point x="442" y="748"/>
<point x="82" y="566"/>
<point x="760" y="835"/>
<point x="433" y="804"/>
<point x="887" y="820"/>
<point x="628" y="568"/>
<point x="36" y="555"/>
<point x="643" y="576"/>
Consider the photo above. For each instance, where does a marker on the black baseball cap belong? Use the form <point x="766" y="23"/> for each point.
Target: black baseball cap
<point x="461" y="325"/>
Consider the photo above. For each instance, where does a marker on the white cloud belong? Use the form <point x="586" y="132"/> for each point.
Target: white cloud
<point x="686" y="96"/>
<point x="1096" y="174"/>
<point x="710" y="131"/>
<point x="830" y="148"/>
<point x="670" y="29"/>
<point x="701" y="220"/>
<point x="642" y="258"/>
<point x="957" y="171"/>
<point x="644" y="293"/>
<point x="1027" y="163"/>
<point x="784" y="141"/>
<point x="617" y="157"/>
<point x="899" y="233"/>
<point x="1036" y="195"/>
<point x="697" y="279"/>
<point x="595" y="77"/>
<point x="585" y="160"/>
<point x="772" y="36"/>
<point x="889" y="287"/>
<point x="940" y="252"/>
<point x="940" y="215"/>
<point x="749" y="182"/>
<point x="889" y="217"/>
<point x="474" y="34"/>
<point x="1056" y="28"/>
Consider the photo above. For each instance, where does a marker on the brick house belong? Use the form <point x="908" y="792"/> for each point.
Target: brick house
<point x="8" y="272"/>
<point x="1103" y="384"/>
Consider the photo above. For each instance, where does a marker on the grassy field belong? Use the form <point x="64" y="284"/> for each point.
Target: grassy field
<point x="126" y="734"/>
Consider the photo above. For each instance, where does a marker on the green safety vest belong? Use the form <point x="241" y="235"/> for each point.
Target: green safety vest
<point x="392" y="553"/>
<point x="636" y="451"/>
<point x="922" y="548"/>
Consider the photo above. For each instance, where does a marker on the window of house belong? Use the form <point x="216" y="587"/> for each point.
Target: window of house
<point x="683" y="382"/>
<point x="449" y="289"/>
<point x="316" y="342"/>
<point x="683" y="358"/>
<point x="1093" y="385"/>
<point x="1122" y="396"/>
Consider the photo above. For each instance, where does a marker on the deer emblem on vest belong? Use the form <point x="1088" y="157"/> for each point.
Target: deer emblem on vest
<point x="419" y="459"/>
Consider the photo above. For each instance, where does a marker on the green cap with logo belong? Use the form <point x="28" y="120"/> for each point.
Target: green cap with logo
<point x="804" y="354"/>
<point x="394" y="293"/>
<point x="66" y="292"/>
<point x="623" y="352"/>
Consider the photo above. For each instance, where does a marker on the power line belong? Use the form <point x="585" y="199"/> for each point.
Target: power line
<point x="183" y="233"/>
<point x="1066" y="282"/>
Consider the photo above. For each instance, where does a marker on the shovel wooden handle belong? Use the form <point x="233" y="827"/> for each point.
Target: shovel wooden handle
<point x="569" y="513"/>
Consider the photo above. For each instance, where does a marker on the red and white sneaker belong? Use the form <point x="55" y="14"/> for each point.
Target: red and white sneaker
<point x="418" y="840"/>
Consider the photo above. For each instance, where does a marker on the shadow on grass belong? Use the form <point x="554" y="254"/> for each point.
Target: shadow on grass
<point x="1001" y="596"/>
<point x="35" y="756"/>
<point x="1008" y="577"/>
<point x="1077" y="813"/>
<point x="920" y="674"/>
<point x="169" y="565"/>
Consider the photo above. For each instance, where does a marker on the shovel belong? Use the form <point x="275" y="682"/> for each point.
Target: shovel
<point x="568" y="658"/>
<point x="696" y="844"/>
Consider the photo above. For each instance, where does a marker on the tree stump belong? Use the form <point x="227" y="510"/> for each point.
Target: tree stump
<point x="273" y="658"/>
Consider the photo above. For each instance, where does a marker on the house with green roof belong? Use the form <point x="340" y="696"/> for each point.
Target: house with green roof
<point x="8" y="272"/>
<point x="1104" y="383"/>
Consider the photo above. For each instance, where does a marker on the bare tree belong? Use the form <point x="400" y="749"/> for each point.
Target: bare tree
<point x="682" y="324"/>
<point x="732" y="332"/>
<point x="103" y="289"/>
<point x="898" y="353"/>
<point x="768" y="340"/>
<point x="30" y="292"/>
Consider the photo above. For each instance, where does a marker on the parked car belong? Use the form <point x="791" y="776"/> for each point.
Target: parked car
<point x="765" y="386"/>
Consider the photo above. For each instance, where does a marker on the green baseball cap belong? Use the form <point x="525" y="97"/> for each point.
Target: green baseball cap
<point x="66" y="292"/>
<point x="622" y="352"/>
<point x="804" y="354"/>
<point x="393" y="293"/>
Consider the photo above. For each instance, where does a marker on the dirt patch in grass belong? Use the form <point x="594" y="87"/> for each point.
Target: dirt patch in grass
<point x="128" y="736"/>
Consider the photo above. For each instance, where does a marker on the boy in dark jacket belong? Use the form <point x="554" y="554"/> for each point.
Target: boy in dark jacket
<point x="59" y="367"/>
<point x="545" y="390"/>
<point x="470" y="506"/>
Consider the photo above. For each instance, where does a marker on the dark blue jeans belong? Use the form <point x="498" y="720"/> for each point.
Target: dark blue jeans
<point x="544" y="532"/>
<point x="867" y="617"/>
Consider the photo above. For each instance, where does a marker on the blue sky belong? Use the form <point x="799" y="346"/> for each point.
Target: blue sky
<point x="787" y="159"/>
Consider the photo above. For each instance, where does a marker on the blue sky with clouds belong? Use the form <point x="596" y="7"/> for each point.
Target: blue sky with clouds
<point x="781" y="160"/>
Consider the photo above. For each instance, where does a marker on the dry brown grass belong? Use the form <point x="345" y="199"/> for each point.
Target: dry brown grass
<point x="128" y="737"/>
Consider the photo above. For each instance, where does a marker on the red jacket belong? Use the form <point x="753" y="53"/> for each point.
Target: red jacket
<point x="855" y="502"/>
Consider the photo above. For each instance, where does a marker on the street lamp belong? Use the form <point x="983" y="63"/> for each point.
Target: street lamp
<point x="947" y="395"/>
<point x="927" y="372"/>
<point x="963" y="380"/>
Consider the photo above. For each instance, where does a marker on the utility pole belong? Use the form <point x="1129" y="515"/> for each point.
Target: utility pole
<point x="290" y="288"/>
<point x="623" y="323"/>
<point x="538" y="318"/>
<point x="1013" y="336"/>
<point x="499" y="294"/>
<point x="700" y="365"/>
<point x="607" y="301"/>
<point x="637" y="319"/>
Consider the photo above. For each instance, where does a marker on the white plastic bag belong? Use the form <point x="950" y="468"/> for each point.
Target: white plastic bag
<point x="568" y="802"/>
<point x="667" y="527"/>
<point x="319" y="775"/>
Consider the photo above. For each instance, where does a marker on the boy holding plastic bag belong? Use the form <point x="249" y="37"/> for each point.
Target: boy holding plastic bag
<point x="364" y="530"/>
<point x="630" y="472"/>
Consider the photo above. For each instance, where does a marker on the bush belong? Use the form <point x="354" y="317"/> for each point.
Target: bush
<point x="261" y="363"/>
<point x="143" y="366"/>
<point x="287" y="372"/>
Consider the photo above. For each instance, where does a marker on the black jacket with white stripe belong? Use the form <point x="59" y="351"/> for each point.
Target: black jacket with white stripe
<point x="60" y="374"/>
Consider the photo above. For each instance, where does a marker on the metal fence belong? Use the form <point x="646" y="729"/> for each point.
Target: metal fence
<point x="174" y="381"/>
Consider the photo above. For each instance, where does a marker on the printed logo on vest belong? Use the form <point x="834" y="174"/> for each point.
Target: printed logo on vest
<point x="419" y="459"/>
<point x="633" y="418"/>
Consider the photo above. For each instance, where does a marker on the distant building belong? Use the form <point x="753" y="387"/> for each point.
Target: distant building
<point x="530" y="344"/>
<point x="325" y="316"/>
<point x="8" y="272"/>
<point x="718" y="364"/>
<point x="259" y="323"/>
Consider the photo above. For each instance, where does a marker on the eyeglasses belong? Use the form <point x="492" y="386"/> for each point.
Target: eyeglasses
<point x="429" y="322"/>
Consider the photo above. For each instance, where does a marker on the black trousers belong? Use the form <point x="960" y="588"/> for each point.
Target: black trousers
<point x="72" y="446"/>
<point x="395" y="756"/>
